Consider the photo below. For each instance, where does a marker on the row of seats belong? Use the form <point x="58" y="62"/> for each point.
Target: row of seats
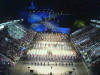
<point x="83" y="36"/>
<point x="87" y="42"/>
<point x="13" y="48"/>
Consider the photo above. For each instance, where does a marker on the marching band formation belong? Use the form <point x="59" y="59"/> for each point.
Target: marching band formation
<point x="52" y="47"/>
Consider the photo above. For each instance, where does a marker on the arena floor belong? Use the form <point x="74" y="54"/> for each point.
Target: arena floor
<point x="34" y="67"/>
<point x="24" y="69"/>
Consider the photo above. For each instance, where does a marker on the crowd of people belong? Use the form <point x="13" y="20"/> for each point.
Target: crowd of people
<point x="90" y="48"/>
<point x="13" y="48"/>
<point x="51" y="58"/>
<point x="52" y="37"/>
<point x="52" y="45"/>
<point x="67" y="63"/>
<point x="83" y="36"/>
<point x="54" y="50"/>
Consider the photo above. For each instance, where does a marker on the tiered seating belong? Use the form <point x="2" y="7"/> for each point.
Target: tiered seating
<point x="12" y="46"/>
<point x="88" y="44"/>
<point x="5" y="62"/>
<point x="83" y="36"/>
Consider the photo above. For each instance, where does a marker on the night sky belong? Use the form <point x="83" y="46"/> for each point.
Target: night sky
<point x="80" y="8"/>
<point x="74" y="5"/>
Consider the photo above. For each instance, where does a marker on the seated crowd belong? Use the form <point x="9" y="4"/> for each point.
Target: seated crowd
<point x="13" y="48"/>
<point x="87" y="43"/>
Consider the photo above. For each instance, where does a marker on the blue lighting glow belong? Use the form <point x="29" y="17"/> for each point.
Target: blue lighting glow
<point x="37" y="17"/>
<point x="32" y="6"/>
<point x="42" y="14"/>
<point x="34" y="18"/>
<point x="64" y="30"/>
<point x="22" y="49"/>
<point x="23" y="14"/>
<point x="61" y="30"/>
<point x="39" y="28"/>
<point x="55" y="24"/>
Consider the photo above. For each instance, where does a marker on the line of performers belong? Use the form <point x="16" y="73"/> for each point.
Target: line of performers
<point x="51" y="57"/>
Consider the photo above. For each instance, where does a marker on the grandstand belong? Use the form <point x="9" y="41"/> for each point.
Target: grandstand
<point x="87" y="43"/>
